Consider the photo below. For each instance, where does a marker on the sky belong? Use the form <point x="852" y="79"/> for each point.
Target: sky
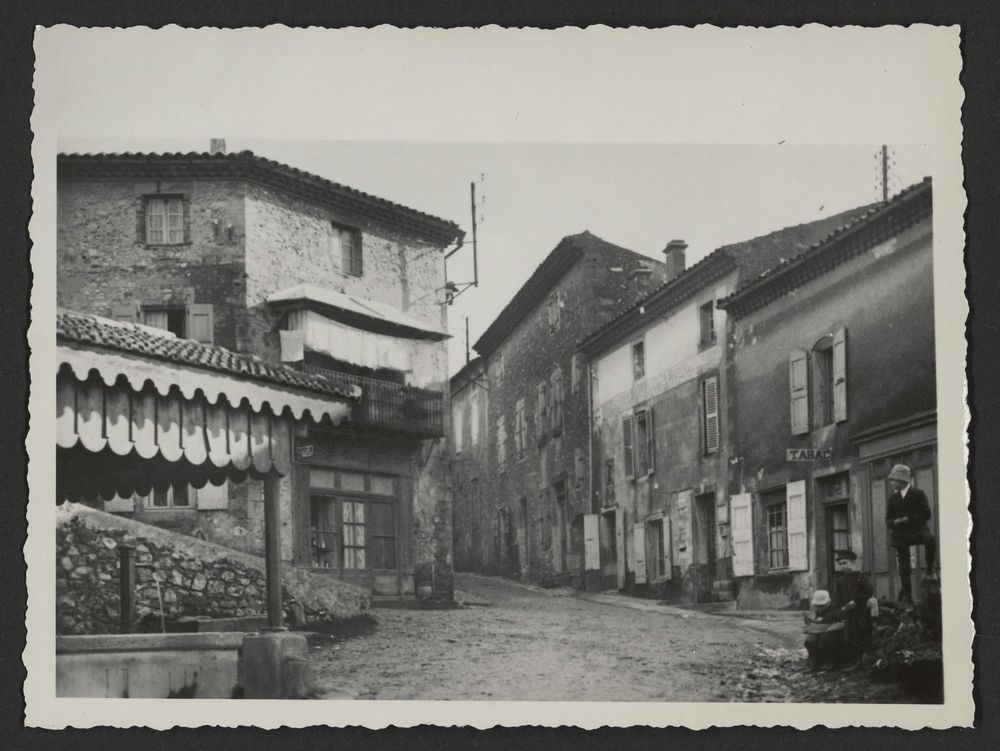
<point x="639" y="136"/>
<point x="531" y="195"/>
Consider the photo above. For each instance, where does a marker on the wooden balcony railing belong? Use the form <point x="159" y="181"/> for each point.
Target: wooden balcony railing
<point x="392" y="406"/>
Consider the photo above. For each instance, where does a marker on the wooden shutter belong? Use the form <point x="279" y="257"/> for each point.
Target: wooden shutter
<point x="711" y="396"/>
<point x="201" y="323"/>
<point x="650" y="441"/>
<point x="591" y="542"/>
<point x="629" y="455"/>
<point x="213" y="497"/>
<point x="795" y="499"/>
<point x="741" y="509"/>
<point x="129" y="313"/>
<point x="639" y="545"/>
<point x="668" y="545"/>
<point x="840" y="375"/>
<point x="620" y="551"/>
<point x="798" y="390"/>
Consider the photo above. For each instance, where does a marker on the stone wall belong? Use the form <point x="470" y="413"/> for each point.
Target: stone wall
<point x="196" y="577"/>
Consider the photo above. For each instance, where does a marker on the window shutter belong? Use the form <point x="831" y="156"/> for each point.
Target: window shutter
<point x="668" y="546"/>
<point x="186" y="217"/>
<point x="650" y="441"/>
<point x="200" y="323"/>
<point x="639" y="543"/>
<point x="591" y="542"/>
<point x="629" y="456"/>
<point x="795" y="498"/>
<point x="357" y="259"/>
<point x="741" y="510"/>
<point x="212" y="497"/>
<point x="798" y="388"/>
<point x="711" y="395"/>
<point x="840" y="375"/>
<point x="129" y="313"/>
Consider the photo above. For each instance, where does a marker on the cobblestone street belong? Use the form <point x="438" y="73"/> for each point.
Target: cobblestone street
<point x="509" y="642"/>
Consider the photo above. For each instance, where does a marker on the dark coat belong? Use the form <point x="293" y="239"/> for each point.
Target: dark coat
<point x="854" y="586"/>
<point x="917" y="511"/>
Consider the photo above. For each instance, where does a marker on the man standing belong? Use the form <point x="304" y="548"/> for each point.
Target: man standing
<point x="907" y="517"/>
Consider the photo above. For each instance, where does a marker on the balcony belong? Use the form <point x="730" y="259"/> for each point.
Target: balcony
<point x="392" y="406"/>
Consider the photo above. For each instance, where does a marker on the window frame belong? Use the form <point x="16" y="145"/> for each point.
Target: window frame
<point x="780" y="531"/>
<point x="352" y="261"/>
<point x="166" y="199"/>
<point x="638" y="351"/>
<point x="335" y="497"/>
<point x="707" y="335"/>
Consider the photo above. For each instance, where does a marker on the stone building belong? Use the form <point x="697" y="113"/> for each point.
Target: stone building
<point x="831" y="382"/>
<point x="262" y="259"/>
<point x="473" y="539"/>
<point x="660" y="455"/>
<point x="534" y="488"/>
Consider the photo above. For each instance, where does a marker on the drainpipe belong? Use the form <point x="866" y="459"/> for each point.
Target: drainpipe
<point x="590" y="433"/>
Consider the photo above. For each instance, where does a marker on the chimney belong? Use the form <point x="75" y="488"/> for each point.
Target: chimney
<point x="674" y="259"/>
<point x="217" y="146"/>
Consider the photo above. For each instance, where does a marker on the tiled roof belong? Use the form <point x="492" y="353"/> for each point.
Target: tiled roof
<point x="750" y="257"/>
<point x="905" y="208"/>
<point x="247" y="165"/>
<point x="145" y="341"/>
<point x="569" y="250"/>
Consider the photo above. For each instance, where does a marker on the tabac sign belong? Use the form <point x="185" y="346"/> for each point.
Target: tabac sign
<point x="808" y="455"/>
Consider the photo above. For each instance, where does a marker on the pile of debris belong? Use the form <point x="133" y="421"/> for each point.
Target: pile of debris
<point x="907" y="646"/>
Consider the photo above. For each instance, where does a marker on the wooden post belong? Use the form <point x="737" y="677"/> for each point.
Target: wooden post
<point x="272" y="553"/>
<point x="126" y="587"/>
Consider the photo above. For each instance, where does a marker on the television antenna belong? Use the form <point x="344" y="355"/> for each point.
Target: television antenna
<point x="454" y="289"/>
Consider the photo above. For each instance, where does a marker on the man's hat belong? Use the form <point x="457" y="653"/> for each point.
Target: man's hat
<point x="820" y="598"/>
<point x="900" y="472"/>
<point x="845" y="555"/>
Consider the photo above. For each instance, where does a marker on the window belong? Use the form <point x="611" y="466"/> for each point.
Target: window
<point x="638" y="360"/>
<point x="520" y="429"/>
<point x="557" y="402"/>
<point x="498" y="366"/>
<point x="347" y="244"/>
<point x="576" y="369"/>
<point x="194" y="321"/>
<point x="706" y="317"/>
<point x="353" y="527"/>
<point x="710" y="413"/>
<point x="777" y="535"/>
<point x="501" y="443"/>
<point x="554" y="309"/>
<point x="323" y="533"/>
<point x="657" y="548"/>
<point x="173" y="496"/>
<point x="164" y="220"/>
<point x="541" y="411"/>
<point x="638" y="444"/>
<point x="818" y="394"/>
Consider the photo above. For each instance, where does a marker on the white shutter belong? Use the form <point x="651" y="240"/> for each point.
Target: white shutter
<point x="591" y="542"/>
<point x="795" y="498"/>
<point x="798" y="391"/>
<point x="840" y="375"/>
<point x="212" y="497"/>
<point x="628" y="455"/>
<point x="741" y="510"/>
<point x="201" y="325"/>
<point x="650" y="441"/>
<point x="620" y="551"/>
<point x="639" y="544"/>
<point x="711" y="414"/>
<point x="668" y="542"/>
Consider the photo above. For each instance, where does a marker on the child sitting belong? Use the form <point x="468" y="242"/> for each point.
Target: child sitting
<point x="822" y="632"/>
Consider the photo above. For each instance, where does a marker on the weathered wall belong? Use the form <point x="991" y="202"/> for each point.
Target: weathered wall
<point x="104" y="263"/>
<point x="472" y="537"/>
<point x="675" y="365"/>
<point x="196" y="577"/>
<point x="885" y="301"/>
<point x="591" y="292"/>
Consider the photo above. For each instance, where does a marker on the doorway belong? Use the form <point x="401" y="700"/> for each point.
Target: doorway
<point x="838" y="536"/>
<point x="705" y="549"/>
<point x="609" y="552"/>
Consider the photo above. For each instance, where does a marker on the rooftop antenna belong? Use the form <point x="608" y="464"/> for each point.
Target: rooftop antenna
<point x="454" y="289"/>
<point x="886" y="161"/>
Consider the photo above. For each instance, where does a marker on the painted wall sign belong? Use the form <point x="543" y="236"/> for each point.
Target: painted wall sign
<point x="808" y="455"/>
<point x="304" y="451"/>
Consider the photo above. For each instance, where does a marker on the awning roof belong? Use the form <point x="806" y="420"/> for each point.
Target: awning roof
<point x="369" y="314"/>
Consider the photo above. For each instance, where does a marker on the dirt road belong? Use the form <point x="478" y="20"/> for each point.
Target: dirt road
<point x="513" y="643"/>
